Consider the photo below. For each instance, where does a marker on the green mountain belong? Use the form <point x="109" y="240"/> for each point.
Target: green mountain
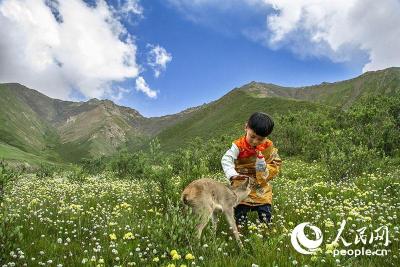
<point x="65" y="131"/>
<point x="32" y="124"/>
<point x="22" y="128"/>
<point x="228" y="114"/>
<point x="340" y="94"/>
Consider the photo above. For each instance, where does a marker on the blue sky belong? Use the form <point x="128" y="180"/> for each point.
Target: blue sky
<point x="161" y="57"/>
<point x="208" y="62"/>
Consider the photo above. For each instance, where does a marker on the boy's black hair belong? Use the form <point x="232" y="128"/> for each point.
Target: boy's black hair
<point x="261" y="123"/>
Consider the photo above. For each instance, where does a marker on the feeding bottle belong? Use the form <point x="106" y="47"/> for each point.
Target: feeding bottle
<point x="261" y="166"/>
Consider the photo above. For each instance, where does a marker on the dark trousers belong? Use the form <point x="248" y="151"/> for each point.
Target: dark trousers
<point x="264" y="213"/>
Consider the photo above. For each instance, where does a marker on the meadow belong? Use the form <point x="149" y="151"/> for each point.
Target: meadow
<point x="70" y="219"/>
<point x="124" y="210"/>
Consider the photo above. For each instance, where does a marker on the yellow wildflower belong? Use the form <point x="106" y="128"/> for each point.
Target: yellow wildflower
<point x="189" y="256"/>
<point x="176" y="257"/>
<point x="129" y="236"/>
<point x="113" y="236"/>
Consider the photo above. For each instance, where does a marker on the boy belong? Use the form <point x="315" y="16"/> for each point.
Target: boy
<point x="240" y="160"/>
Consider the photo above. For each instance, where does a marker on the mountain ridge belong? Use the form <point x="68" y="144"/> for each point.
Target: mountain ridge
<point x="339" y="93"/>
<point x="68" y="131"/>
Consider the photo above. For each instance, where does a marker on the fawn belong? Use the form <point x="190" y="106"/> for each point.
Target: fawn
<point x="206" y="197"/>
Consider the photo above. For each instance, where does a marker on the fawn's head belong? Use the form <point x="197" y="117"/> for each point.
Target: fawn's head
<point x="242" y="189"/>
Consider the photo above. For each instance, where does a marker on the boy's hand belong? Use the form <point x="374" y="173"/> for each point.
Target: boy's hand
<point x="239" y="177"/>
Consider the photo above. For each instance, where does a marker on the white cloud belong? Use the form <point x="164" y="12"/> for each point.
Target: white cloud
<point x="158" y="58"/>
<point x="118" y="93"/>
<point x="340" y="30"/>
<point x="337" y="28"/>
<point x="88" y="51"/>
<point x="128" y="9"/>
<point x="142" y="86"/>
<point x="132" y="6"/>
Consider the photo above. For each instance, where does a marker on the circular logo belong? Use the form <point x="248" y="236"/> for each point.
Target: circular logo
<point x="301" y="243"/>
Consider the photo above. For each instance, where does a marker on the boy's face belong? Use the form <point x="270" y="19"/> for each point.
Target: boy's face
<point x="252" y="138"/>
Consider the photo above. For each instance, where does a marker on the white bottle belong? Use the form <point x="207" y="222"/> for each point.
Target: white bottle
<point x="261" y="167"/>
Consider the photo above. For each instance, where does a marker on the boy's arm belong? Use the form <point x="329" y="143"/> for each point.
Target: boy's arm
<point x="274" y="163"/>
<point x="228" y="161"/>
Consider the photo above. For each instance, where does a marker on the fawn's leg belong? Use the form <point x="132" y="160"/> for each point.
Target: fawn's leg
<point x="204" y="215"/>
<point x="214" y="220"/>
<point x="232" y="224"/>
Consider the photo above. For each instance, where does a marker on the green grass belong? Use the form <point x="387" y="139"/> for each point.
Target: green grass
<point x="71" y="222"/>
<point x="23" y="129"/>
<point x="346" y="93"/>
<point x="13" y="154"/>
<point x="228" y="116"/>
<point x="19" y="125"/>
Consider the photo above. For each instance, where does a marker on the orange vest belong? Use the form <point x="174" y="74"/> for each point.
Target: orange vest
<point x="245" y="164"/>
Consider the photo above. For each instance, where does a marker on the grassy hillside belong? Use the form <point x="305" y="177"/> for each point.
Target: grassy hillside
<point x="228" y="116"/>
<point x="15" y="155"/>
<point x="70" y="131"/>
<point x="23" y="129"/>
<point x="341" y="94"/>
<point x="58" y="130"/>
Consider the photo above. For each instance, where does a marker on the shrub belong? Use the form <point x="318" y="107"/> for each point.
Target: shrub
<point x="45" y="170"/>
